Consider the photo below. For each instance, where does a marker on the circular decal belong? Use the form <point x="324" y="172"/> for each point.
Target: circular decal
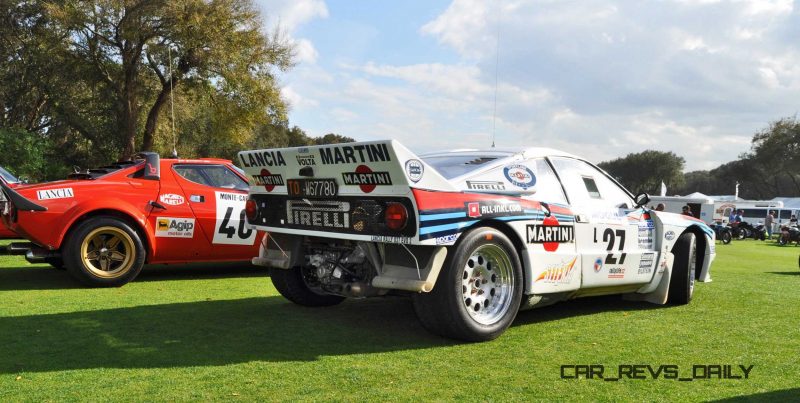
<point x="670" y="235"/>
<point x="414" y="170"/>
<point x="366" y="188"/>
<point x="598" y="265"/>
<point x="266" y="174"/>
<point x="550" y="221"/>
<point x="520" y="176"/>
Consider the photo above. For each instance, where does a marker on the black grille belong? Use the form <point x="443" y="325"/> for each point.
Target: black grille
<point x="350" y="215"/>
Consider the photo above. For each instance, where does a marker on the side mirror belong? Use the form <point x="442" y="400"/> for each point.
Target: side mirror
<point x="641" y="199"/>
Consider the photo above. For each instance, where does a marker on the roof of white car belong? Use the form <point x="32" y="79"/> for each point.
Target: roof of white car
<point x="527" y="152"/>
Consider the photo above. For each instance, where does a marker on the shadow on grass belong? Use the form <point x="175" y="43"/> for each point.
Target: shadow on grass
<point x="785" y="395"/>
<point x="233" y="331"/>
<point x="46" y="278"/>
<point x="785" y="273"/>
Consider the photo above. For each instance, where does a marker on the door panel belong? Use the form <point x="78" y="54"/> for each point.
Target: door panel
<point x="176" y="232"/>
<point x="218" y="205"/>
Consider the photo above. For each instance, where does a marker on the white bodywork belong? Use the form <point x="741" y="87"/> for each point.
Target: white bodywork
<point x="577" y="231"/>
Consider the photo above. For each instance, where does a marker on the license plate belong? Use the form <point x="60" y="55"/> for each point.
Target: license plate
<point x="312" y="187"/>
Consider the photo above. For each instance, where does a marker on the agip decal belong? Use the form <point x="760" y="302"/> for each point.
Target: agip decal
<point x="172" y="227"/>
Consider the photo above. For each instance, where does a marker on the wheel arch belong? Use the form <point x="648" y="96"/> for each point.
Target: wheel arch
<point x="703" y="244"/>
<point x="519" y="244"/>
<point x="137" y="223"/>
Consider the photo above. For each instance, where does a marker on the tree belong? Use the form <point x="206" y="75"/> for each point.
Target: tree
<point x="644" y="171"/>
<point x="135" y="53"/>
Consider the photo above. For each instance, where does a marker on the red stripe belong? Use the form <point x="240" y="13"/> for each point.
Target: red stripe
<point x="433" y="200"/>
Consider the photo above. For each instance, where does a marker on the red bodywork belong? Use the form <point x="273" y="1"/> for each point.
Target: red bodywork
<point x="178" y="216"/>
<point x="5" y="232"/>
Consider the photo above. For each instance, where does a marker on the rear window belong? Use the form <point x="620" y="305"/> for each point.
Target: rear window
<point x="454" y="166"/>
<point x="8" y="176"/>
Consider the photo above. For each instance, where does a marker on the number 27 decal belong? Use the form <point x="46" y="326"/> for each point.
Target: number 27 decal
<point x="610" y="236"/>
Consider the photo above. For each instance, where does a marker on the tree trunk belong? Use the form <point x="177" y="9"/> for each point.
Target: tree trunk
<point x="152" y="117"/>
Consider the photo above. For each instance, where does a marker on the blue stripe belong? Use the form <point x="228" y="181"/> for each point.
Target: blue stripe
<point x="445" y="216"/>
<point x="445" y="227"/>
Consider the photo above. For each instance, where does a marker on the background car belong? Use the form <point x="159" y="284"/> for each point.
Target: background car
<point x="471" y="235"/>
<point x="104" y="224"/>
<point x="12" y="181"/>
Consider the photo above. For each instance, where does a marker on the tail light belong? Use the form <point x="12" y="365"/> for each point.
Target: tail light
<point x="396" y="216"/>
<point x="251" y="210"/>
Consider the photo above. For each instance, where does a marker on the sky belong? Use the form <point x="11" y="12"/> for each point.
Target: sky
<point x="600" y="79"/>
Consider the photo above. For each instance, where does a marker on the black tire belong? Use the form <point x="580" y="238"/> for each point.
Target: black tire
<point x="56" y="262"/>
<point x="681" y="283"/>
<point x="104" y="252"/>
<point x="742" y="235"/>
<point x="725" y="237"/>
<point x="483" y="259"/>
<point x="782" y="240"/>
<point x="292" y="286"/>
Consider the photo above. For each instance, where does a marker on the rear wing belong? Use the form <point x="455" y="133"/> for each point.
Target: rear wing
<point x="376" y="168"/>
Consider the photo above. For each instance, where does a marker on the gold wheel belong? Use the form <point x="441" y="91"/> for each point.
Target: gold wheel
<point x="108" y="252"/>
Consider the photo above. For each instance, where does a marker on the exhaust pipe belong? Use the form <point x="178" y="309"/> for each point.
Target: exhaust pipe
<point x="40" y="255"/>
<point x="361" y="290"/>
<point x="19" y="248"/>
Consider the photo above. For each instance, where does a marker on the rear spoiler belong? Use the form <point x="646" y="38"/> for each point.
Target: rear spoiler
<point x="19" y="201"/>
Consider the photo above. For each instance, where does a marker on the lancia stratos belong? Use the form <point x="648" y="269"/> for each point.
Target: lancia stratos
<point x="474" y="236"/>
<point x="104" y="224"/>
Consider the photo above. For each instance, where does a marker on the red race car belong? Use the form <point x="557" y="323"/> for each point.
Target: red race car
<point x="104" y="224"/>
<point x="12" y="181"/>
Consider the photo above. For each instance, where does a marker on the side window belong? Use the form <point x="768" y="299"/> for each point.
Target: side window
<point x="218" y="176"/>
<point x="548" y="189"/>
<point x="586" y="184"/>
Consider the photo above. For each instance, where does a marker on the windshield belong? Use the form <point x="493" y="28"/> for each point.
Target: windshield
<point x="8" y="176"/>
<point x="452" y="166"/>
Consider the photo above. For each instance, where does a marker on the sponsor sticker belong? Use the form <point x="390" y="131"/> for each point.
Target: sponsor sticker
<point x="171" y="227"/>
<point x="485" y="185"/>
<point x="366" y="179"/>
<point x="391" y="239"/>
<point x="616" y="272"/>
<point x="306" y="160"/>
<point x="49" y="194"/>
<point x="520" y="176"/>
<point x="447" y="239"/>
<point x="669" y="235"/>
<point x="646" y="231"/>
<point x="598" y="265"/>
<point x="361" y="153"/>
<point x="550" y="233"/>
<point x="318" y="214"/>
<point x="560" y="273"/>
<point x="646" y="263"/>
<point x="414" y="170"/>
<point x="262" y="159"/>
<point x="268" y="180"/>
<point x="172" y="199"/>
<point x="493" y="209"/>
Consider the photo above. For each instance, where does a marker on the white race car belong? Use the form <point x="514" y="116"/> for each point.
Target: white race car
<point x="473" y="235"/>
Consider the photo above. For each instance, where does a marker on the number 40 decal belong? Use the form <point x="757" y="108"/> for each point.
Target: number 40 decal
<point x="231" y="226"/>
<point x="610" y="236"/>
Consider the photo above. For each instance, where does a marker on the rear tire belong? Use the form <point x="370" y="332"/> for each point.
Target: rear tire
<point x="104" y="252"/>
<point x="292" y="286"/>
<point x="681" y="283"/>
<point x="478" y="292"/>
<point x="725" y="237"/>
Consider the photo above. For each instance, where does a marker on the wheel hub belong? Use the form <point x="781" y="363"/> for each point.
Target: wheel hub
<point x="487" y="284"/>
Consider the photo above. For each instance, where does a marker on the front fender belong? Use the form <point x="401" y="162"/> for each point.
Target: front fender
<point x="679" y="224"/>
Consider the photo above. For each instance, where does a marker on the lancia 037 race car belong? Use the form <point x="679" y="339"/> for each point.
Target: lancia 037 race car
<point x="104" y="224"/>
<point x="12" y="181"/>
<point x="472" y="235"/>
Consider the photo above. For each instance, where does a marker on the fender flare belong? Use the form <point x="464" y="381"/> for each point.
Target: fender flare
<point x="121" y="207"/>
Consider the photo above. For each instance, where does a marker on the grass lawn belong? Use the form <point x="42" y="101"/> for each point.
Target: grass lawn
<point x="226" y="334"/>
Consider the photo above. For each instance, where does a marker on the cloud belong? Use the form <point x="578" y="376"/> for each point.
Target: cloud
<point x="291" y="14"/>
